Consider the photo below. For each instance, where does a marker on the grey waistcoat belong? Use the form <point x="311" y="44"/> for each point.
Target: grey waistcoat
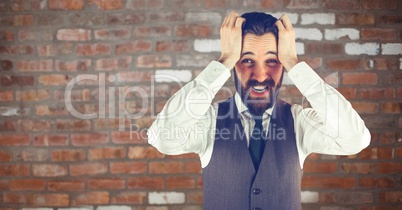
<point x="230" y="180"/>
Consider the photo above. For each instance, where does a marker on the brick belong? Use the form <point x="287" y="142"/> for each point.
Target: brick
<point x="73" y="125"/>
<point x="49" y="19"/>
<point x="4" y="185"/>
<point x="89" y="139"/>
<point x="68" y="155"/>
<point x="90" y="169"/>
<point x="6" y="36"/>
<point x="91" y="198"/>
<point x="359" y="78"/>
<point x="55" y="49"/>
<point x="381" y="64"/>
<point x="152" y="31"/>
<point x="20" y="81"/>
<point x="398" y="151"/>
<point x="108" y="4"/>
<point x="15" y="170"/>
<point x="134" y="76"/>
<point x="143" y="152"/>
<point x="34" y="35"/>
<point x="66" y="185"/>
<point x="173" y="46"/>
<point x="167" y="75"/>
<point x="113" y="64"/>
<point x="17" y="20"/>
<point x="145" y="183"/>
<point x="166" y="198"/>
<point x="354" y="198"/>
<point x="33" y="95"/>
<point x="149" y="61"/>
<point x="114" y="207"/>
<point x="93" y="49"/>
<point x="172" y="167"/>
<point x="74" y="65"/>
<point x="166" y="16"/>
<point x="355" y="19"/>
<point x="49" y="170"/>
<point x="341" y="4"/>
<point x="114" y="183"/>
<point x="314" y="182"/>
<point x="198" y="198"/>
<point x="106" y="153"/>
<point x="373" y="4"/>
<point x="301" y="4"/>
<point x="128" y="167"/>
<point x="193" y="167"/>
<point x="180" y="182"/>
<point x="133" y="47"/>
<point x="112" y="34"/>
<point x="340" y="65"/>
<point x="391" y="49"/>
<point x="324" y="48"/>
<point x="341" y="33"/>
<point x="207" y="45"/>
<point x="6" y="65"/>
<point x="389" y="167"/>
<point x="390" y="19"/>
<point x="44" y="65"/>
<point x="54" y="79"/>
<point x="378" y="34"/>
<point x="18" y="198"/>
<point x="31" y="155"/>
<point x="362" y="49"/>
<point x="211" y="4"/>
<point x="318" y="18"/>
<point x="125" y="19"/>
<point x="5" y="156"/>
<point x="17" y="50"/>
<point x="383" y="182"/>
<point x="391" y="107"/>
<point x="142" y="4"/>
<point x="390" y="197"/>
<point x="51" y="200"/>
<point x="6" y="95"/>
<point x="130" y="198"/>
<point x="34" y="125"/>
<point x="77" y="34"/>
<point x="375" y="93"/>
<point x="308" y="34"/>
<point x="193" y="30"/>
<point x="357" y="168"/>
<point x="14" y="140"/>
<point x="66" y="4"/>
<point x="365" y="107"/>
<point x="270" y="4"/>
<point x="391" y="78"/>
<point x="51" y="110"/>
<point x="27" y="184"/>
<point x="31" y="5"/>
<point x="76" y="95"/>
<point x="320" y="167"/>
<point x="8" y="125"/>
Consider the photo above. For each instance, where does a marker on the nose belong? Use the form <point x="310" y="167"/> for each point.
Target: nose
<point x="260" y="73"/>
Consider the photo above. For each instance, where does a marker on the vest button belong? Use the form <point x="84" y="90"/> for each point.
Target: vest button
<point x="256" y="191"/>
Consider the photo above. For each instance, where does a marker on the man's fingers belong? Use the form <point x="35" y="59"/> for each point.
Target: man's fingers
<point x="233" y="17"/>
<point x="286" y="22"/>
<point x="279" y="24"/>
<point x="239" y="22"/>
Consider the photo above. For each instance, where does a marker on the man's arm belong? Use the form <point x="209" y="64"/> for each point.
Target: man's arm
<point x="186" y="122"/>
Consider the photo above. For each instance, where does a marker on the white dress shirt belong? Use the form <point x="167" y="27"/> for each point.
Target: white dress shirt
<point x="187" y="122"/>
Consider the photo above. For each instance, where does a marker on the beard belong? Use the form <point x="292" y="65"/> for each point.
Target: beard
<point x="257" y="105"/>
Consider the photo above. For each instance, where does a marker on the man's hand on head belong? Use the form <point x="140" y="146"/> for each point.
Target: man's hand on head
<point x="231" y="39"/>
<point x="286" y="43"/>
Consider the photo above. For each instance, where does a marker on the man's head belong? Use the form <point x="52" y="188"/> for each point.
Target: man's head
<point x="258" y="73"/>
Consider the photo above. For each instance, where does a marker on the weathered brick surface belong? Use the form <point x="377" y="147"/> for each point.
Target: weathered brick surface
<point x="90" y="150"/>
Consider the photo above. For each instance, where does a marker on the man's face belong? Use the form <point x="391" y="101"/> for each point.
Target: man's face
<point x="258" y="73"/>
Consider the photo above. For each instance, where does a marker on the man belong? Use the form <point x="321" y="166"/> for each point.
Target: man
<point x="253" y="145"/>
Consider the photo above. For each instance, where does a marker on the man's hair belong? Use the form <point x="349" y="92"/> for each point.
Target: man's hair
<point x="259" y="23"/>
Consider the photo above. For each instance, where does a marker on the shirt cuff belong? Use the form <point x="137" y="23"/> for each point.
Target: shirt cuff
<point x="304" y="77"/>
<point x="214" y="75"/>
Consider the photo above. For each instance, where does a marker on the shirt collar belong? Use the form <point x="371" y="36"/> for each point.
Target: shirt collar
<point x="242" y="108"/>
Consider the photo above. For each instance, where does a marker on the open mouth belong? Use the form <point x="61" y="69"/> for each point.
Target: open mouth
<point x="259" y="88"/>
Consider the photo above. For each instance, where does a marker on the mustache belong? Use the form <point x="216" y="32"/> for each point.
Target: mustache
<point x="268" y="82"/>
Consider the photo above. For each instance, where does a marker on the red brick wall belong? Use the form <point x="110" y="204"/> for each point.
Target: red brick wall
<point x="49" y="157"/>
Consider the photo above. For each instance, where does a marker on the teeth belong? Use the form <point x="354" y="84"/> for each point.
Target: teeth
<point x="259" y="88"/>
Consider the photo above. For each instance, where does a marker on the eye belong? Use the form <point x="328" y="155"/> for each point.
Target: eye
<point x="272" y="62"/>
<point x="247" y="62"/>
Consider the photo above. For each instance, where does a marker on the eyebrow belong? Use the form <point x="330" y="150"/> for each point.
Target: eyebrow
<point x="250" y="53"/>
